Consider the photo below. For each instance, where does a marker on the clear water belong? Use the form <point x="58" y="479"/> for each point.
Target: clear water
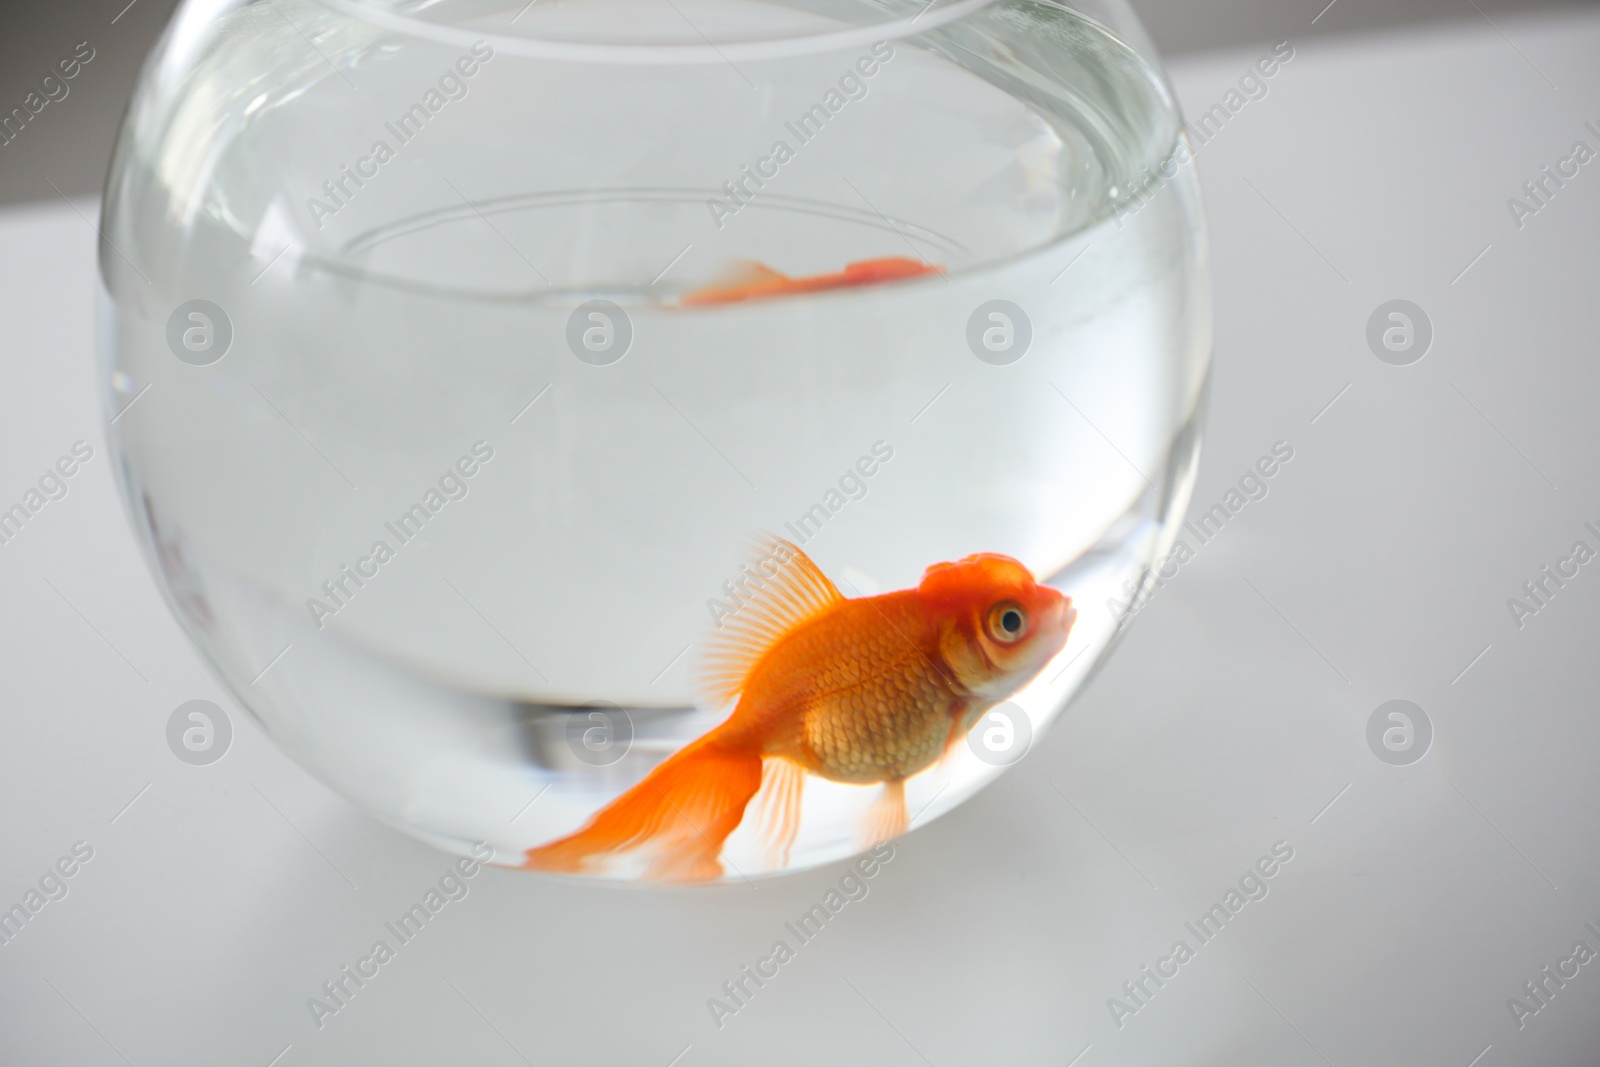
<point x="424" y="324"/>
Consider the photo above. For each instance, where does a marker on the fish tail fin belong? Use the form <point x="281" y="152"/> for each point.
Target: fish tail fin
<point x="682" y="812"/>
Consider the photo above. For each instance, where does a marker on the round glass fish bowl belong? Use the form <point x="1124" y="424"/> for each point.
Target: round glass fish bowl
<point x="662" y="441"/>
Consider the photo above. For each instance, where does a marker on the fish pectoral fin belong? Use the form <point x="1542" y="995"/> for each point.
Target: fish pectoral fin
<point x="886" y="819"/>
<point x="952" y="744"/>
<point x="965" y="716"/>
<point x="778" y="810"/>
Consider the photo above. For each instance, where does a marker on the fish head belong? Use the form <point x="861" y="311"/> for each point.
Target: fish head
<point x="998" y="627"/>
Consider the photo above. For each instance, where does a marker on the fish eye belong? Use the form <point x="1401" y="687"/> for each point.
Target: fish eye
<point x="1008" y="622"/>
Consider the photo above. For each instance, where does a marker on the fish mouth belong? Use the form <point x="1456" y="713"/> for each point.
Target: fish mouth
<point x="1061" y="611"/>
<point x="1062" y="616"/>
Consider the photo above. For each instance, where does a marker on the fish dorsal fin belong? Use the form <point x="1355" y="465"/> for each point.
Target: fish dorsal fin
<point x="786" y="589"/>
<point x="749" y="272"/>
<point x="743" y="278"/>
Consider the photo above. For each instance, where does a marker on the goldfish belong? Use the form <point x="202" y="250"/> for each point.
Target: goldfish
<point x="754" y="281"/>
<point x="864" y="690"/>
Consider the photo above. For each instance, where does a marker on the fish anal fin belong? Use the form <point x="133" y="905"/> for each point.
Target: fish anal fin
<point x="785" y="590"/>
<point x="778" y="810"/>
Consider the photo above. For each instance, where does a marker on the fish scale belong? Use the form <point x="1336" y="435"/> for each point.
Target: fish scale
<point x="864" y="690"/>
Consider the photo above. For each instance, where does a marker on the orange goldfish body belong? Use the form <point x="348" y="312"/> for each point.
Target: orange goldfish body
<point x="755" y="281"/>
<point x="862" y="690"/>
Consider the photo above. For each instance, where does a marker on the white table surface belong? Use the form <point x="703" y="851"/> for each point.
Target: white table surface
<point x="1378" y="568"/>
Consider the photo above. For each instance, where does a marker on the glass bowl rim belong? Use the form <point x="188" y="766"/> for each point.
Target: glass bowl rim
<point x="383" y="16"/>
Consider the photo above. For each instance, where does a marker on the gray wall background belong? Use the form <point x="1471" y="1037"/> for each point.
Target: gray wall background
<point x="69" y="153"/>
